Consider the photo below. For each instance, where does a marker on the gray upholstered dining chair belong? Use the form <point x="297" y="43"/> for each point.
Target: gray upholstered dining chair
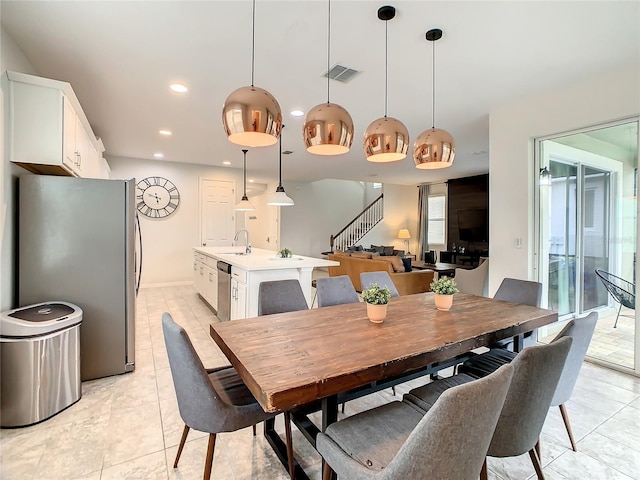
<point x="525" y="292"/>
<point x="212" y="401"/>
<point x="399" y="441"/>
<point x="336" y="291"/>
<point x="580" y="330"/>
<point x="280" y="296"/>
<point x="474" y="281"/>
<point x="536" y="372"/>
<point x="381" y="278"/>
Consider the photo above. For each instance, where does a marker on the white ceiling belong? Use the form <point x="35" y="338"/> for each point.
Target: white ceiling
<point x="121" y="56"/>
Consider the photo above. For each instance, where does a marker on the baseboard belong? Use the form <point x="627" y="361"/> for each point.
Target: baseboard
<point x="167" y="284"/>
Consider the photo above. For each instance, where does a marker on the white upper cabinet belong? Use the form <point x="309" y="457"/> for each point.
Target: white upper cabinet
<point x="48" y="131"/>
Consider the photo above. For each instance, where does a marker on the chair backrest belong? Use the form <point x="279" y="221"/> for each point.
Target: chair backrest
<point x="620" y="289"/>
<point x="536" y="371"/>
<point x="580" y="330"/>
<point x="473" y="281"/>
<point x="335" y="291"/>
<point x="524" y="292"/>
<point x="200" y="405"/>
<point x="451" y="440"/>
<point x="381" y="278"/>
<point x="279" y="296"/>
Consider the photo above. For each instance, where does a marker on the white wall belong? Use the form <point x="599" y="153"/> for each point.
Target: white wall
<point x="400" y="211"/>
<point x="512" y="129"/>
<point x="11" y="58"/>
<point x="167" y="243"/>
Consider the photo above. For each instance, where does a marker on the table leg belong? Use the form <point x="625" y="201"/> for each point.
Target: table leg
<point x="329" y="416"/>
<point x="518" y="342"/>
<point x="280" y="448"/>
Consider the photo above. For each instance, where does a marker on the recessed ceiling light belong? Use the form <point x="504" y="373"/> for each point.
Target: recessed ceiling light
<point x="166" y="133"/>
<point x="251" y="180"/>
<point x="158" y="155"/>
<point x="226" y="162"/>
<point x="297" y="113"/>
<point x="179" y="87"/>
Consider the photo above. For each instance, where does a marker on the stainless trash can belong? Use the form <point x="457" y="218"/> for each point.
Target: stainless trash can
<point x="39" y="362"/>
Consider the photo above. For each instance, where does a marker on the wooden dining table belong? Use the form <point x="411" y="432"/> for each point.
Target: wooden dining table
<point x="309" y="360"/>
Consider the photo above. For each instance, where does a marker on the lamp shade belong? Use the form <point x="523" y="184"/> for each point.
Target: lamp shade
<point x="404" y="233"/>
<point x="280" y="199"/>
<point x="386" y="140"/>
<point x="434" y="148"/>
<point x="328" y="130"/>
<point x="252" y="117"/>
<point x="245" y="205"/>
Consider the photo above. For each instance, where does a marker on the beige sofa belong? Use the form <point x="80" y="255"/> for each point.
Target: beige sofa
<point x="407" y="283"/>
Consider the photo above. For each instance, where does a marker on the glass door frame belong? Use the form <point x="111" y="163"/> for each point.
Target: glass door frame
<point x="538" y="271"/>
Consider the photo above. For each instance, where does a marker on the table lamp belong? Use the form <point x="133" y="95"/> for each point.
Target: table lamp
<point x="405" y="235"/>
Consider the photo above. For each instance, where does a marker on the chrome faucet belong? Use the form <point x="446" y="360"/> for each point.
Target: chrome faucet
<point x="247" y="248"/>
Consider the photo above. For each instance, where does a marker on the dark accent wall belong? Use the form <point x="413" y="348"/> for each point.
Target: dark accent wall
<point x="466" y="194"/>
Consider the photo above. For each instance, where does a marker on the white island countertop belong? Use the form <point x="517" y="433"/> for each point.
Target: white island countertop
<point x="260" y="259"/>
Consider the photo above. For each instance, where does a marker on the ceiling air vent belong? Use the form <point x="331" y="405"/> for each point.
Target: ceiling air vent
<point x="341" y="73"/>
<point x="287" y="152"/>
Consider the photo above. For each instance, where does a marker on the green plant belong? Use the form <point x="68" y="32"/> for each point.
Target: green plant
<point x="376" y="295"/>
<point x="444" y="286"/>
<point x="285" y="253"/>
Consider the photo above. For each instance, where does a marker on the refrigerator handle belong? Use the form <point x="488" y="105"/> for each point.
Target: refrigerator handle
<point x="138" y="261"/>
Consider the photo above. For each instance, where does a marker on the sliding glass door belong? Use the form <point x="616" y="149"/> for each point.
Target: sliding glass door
<point x="587" y="222"/>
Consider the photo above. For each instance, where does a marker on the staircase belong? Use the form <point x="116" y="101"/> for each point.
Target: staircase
<point x="359" y="226"/>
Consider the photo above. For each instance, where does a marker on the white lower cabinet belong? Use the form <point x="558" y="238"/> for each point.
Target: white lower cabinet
<point x="205" y="278"/>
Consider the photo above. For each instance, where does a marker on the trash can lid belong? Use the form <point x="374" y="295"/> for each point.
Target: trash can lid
<point x="40" y="319"/>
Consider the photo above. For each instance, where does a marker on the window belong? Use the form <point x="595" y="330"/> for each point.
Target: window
<point x="436" y="218"/>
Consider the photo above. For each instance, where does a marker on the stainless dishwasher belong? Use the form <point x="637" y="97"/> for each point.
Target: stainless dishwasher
<point x="224" y="291"/>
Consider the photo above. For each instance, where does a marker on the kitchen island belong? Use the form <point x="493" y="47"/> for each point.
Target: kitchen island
<point x="247" y="272"/>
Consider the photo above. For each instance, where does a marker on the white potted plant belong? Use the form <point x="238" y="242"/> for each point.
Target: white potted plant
<point x="376" y="298"/>
<point x="444" y="288"/>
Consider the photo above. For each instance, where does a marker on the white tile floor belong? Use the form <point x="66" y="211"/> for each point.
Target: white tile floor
<point x="129" y="426"/>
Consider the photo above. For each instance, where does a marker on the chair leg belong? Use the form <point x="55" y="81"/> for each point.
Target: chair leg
<point x="254" y="430"/>
<point x="538" y="449"/>
<point x="326" y="472"/>
<point x="185" y="432"/>
<point x="567" y="424"/>
<point x="536" y="463"/>
<point x="616" y="322"/>
<point x="342" y="409"/>
<point x="287" y="432"/>
<point x="393" y="389"/>
<point x="484" y="475"/>
<point x="208" y="463"/>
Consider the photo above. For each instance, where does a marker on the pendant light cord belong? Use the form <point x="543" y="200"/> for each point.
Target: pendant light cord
<point x="433" y="83"/>
<point x="244" y="171"/>
<point x="280" y="161"/>
<point x="253" y="41"/>
<point x="386" y="65"/>
<point x="328" y="48"/>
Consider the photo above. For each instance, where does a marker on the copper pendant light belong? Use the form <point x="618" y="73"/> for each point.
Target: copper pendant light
<point x="386" y="139"/>
<point x="251" y="116"/>
<point x="280" y="197"/>
<point x="328" y="127"/>
<point x="245" y="205"/>
<point x="434" y="148"/>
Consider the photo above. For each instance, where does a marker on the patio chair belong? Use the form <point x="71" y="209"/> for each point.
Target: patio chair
<point x="620" y="289"/>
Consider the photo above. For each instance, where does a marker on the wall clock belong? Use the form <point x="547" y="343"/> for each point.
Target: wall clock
<point x="156" y="197"/>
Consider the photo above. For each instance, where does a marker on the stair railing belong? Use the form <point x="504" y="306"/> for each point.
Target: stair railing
<point x="359" y="226"/>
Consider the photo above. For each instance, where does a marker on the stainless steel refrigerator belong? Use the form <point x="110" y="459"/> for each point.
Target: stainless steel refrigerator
<point x="79" y="242"/>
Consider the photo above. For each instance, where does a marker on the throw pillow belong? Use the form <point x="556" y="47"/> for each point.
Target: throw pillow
<point x="378" y="248"/>
<point x="407" y="264"/>
<point x="396" y="263"/>
<point x="388" y="250"/>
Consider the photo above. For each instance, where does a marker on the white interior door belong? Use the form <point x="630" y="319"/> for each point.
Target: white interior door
<point x="217" y="212"/>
